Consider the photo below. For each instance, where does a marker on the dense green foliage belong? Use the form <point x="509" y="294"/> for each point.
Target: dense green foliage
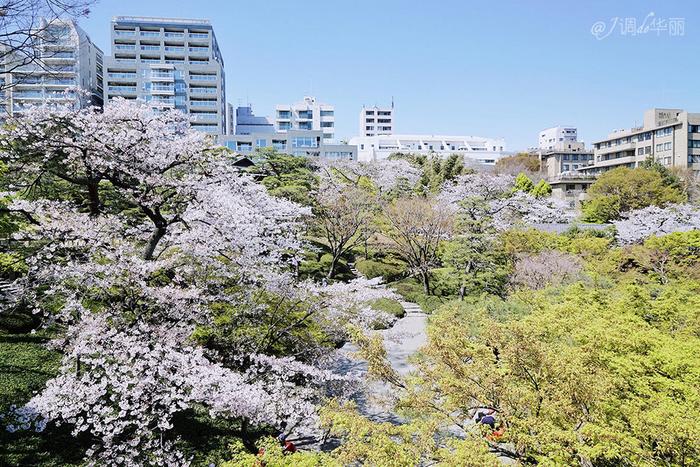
<point x="284" y="175"/>
<point x="623" y="189"/>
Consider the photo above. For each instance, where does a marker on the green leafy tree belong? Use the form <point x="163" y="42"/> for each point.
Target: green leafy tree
<point x="542" y="189"/>
<point x="474" y="256"/>
<point x="286" y="176"/>
<point x="623" y="189"/>
<point x="523" y="183"/>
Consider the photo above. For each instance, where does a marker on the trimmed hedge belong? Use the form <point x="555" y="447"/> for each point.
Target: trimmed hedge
<point x="371" y="269"/>
<point x="388" y="305"/>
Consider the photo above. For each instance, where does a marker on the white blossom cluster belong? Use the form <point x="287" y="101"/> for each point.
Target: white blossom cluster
<point x="640" y="224"/>
<point x="505" y="206"/>
<point x="385" y="175"/>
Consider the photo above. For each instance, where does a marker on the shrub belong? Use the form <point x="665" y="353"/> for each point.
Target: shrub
<point x="387" y="305"/>
<point x="371" y="269"/>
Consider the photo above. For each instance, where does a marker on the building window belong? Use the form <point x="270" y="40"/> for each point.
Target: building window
<point x="260" y="143"/>
<point x="304" y="142"/>
<point x="694" y="143"/>
<point x="328" y="113"/>
<point x="279" y="144"/>
<point x="640" y="151"/>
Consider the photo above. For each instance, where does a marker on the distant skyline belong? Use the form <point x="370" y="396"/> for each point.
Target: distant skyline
<point x="500" y="69"/>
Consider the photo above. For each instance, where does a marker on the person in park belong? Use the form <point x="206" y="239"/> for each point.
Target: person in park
<point x="486" y="419"/>
<point x="287" y="446"/>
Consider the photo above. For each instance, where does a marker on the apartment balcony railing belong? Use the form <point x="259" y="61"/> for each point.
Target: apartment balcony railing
<point x="125" y="47"/>
<point x="206" y="128"/>
<point x="203" y="90"/>
<point x="162" y="76"/>
<point x="59" y="82"/>
<point x="123" y="33"/>
<point x="122" y="76"/>
<point x="152" y="48"/>
<point x="122" y="89"/>
<point x="28" y="94"/>
<point x="150" y="33"/>
<point x="204" y="117"/>
<point x="199" y="35"/>
<point x="199" y="50"/>
<point x="174" y="48"/>
<point x="203" y="77"/>
<point x="203" y="104"/>
<point x="174" y="35"/>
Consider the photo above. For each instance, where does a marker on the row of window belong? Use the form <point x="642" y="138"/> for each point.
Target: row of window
<point x="576" y="157"/>
<point x="640" y="137"/>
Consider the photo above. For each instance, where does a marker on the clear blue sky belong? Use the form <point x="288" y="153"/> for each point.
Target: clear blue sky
<point x="492" y="68"/>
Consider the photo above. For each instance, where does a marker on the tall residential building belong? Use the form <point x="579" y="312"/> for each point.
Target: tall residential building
<point x="306" y="115"/>
<point x="556" y="137"/>
<point x="376" y="121"/>
<point x="169" y="63"/>
<point x="248" y="123"/>
<point x="473" y="148"/>
<point x="669" y="136"/>
<point x="63" y="59"/>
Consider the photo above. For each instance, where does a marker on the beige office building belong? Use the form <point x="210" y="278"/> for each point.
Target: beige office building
<point x="670" y="136"/>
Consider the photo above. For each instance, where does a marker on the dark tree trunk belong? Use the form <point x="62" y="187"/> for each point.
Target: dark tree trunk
<point x="153" y="242"/>
<point x="334" y="264"/>
<point x="425" y="279"/>
<point x="94" y="198"/>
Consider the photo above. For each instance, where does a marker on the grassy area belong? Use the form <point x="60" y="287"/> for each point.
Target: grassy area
<point x="25" y="366"/>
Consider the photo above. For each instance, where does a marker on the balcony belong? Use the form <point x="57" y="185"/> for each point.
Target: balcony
<point x="199" y="35"/>
<point x="150" y="33"/>
<point x="203" y="90"/>
<point x="122" y="76"/>
<point x="174" y="35"/>
<point x="122" y="89"/>
<point x="158" y="101"/>
<point x="204" y="117"/>
<point x="125" y="47"/>
<point x="207" y="104"/>
<point x="203" y="77"/>
<point x="160" y="76"/>
<point x="150" y="48"/>
<point x="175" y="49"/>
<point x="199" y="50"/>
<point x="163" y="90"/>
<point x="28" y="94"/>
<point x="59" y="82"/>
<point x="124" y="33"/>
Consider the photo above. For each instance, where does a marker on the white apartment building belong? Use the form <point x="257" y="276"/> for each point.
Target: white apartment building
<point x="66" y="60"/>
<point x="306" y="115"/>
<point x="308" y="143"/>
<point x="375" y="121"/>
<point x="169" y="63"/>
<point x="474" y="148"/>
<point x="669" y="136"/>
<point x="556" y="137"/>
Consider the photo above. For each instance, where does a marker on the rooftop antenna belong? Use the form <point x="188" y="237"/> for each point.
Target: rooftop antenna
<point x="392" y="102"/>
